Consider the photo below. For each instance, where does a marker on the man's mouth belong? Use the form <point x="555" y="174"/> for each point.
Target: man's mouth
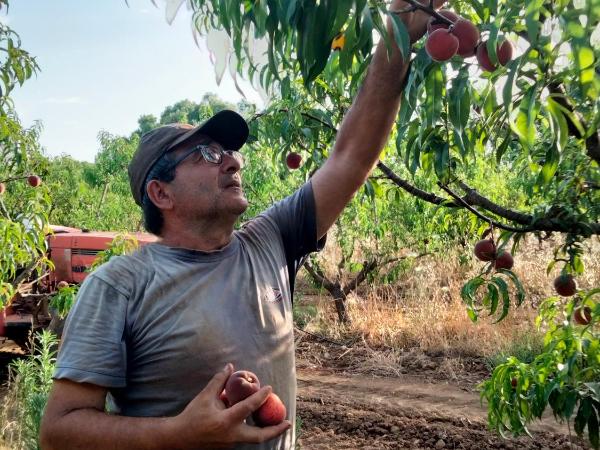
<point x="233" y="184"/>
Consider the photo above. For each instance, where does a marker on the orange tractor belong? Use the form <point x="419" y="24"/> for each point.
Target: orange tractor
<point x="72" y="251"/>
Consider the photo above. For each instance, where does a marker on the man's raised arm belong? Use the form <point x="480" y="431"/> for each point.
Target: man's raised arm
<point x="366" y="126"/>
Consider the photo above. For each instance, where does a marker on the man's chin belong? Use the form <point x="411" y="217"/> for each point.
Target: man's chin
<point x="240" y="207"/>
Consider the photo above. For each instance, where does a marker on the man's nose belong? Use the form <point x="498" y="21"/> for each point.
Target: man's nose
<point x="230" y="164"/>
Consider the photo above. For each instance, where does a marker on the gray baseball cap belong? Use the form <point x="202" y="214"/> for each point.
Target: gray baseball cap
<point x="226" y="127"/>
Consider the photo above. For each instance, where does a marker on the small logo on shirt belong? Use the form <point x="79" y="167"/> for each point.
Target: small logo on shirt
<point x="273" y="295"/>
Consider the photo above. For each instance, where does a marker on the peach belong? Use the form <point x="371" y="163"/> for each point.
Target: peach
<point x="504" y="51"/>
<point x="240" y="385"/>
<point x="34" y="180"/>
<point x="582" y="315"/>
<point x="485" y="250"/>
<point x="504" y="261"/>
<point x="271" y="412"/>
<point x="2" y="188"/>
<point x="468" y="36"/>
<point x="62" y="284"/>
<point x="293" y="160"/>
<point x="441" y="45"/>
<point x="223" y="398"/>
<point x="565" y="285"/>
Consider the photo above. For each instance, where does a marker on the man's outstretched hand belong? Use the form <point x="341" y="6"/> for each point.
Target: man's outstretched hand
<point x="415" y="22"/>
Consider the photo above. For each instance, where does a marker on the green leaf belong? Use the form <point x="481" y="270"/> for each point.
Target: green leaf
<point x="503" y="287"/>
<point x="562" y="130"/>
<point x="517" y="283"/>
<point x="532" y="20"/>
<point x="401" y="35"/>
<point x="434" y="85"/>
<point x="550" y="165"/>
<point x="593" y="429"/>
<point x="583" y="414"/>
<point x="493" y="296"/>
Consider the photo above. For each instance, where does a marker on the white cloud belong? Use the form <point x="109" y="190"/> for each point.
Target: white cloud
<point x="65" y="100"/>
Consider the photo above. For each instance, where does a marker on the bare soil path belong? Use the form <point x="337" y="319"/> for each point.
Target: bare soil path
<point x="342" y="407"/>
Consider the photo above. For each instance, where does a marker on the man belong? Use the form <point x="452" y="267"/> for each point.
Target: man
<point x="150" y="330"/>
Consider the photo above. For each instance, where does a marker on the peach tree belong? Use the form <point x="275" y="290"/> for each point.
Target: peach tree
<point x="513" y="84"/>
<point x="24" y="200"/>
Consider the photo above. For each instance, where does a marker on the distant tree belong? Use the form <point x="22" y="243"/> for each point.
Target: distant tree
<point x="146" y="123"/>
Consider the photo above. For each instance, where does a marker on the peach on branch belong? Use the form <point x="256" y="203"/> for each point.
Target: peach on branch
<point x="34" y="180"/>
<point x="468" y="36"/>
<point x="582" y="315"/>
<point x="504" y="51"/>
<point x="2" y="188"/>
<point x="435" y="23"/>
<point x="565" y="285"/>
<point x="62" y="284"/>
<point x="504" y="261"/>
<point x="240" y="385"/>
<point x="271" y="412"/>
<point x="441" y="45"/>
<point x="293" y="160"/>
<point x="485" y="250"/>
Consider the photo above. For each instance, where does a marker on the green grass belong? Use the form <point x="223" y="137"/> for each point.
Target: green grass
<point x="29" y="384"/>
<point x="524" y="347"/>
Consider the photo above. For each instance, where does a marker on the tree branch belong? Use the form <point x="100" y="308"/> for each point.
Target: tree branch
<point x="481" y="216"/>
<point x="423" y="195"/>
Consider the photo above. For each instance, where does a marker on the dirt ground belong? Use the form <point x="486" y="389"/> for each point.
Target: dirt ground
<point x="356" y="397"/>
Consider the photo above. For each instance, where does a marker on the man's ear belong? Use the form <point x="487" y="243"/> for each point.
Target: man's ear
<point x="158" y="194"/>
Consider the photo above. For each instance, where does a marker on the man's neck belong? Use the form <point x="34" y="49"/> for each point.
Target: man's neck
<point x="197" y="237"/>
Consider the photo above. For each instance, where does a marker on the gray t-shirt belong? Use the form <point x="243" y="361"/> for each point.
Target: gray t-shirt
<point x="155" y="326"/>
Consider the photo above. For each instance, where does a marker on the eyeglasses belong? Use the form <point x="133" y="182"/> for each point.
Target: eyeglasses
<point x="212" y="153"/>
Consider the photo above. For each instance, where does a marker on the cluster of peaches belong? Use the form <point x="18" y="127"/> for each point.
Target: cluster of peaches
<point x="564" y="284"/>
<point x="462" y="38"/>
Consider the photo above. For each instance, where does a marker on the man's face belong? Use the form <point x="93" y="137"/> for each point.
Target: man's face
<point x="204" y="190"/>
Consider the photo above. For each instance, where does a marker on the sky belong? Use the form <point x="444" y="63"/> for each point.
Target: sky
<point x="103" y="65"/>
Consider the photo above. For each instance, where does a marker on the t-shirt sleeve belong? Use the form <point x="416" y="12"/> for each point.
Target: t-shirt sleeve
<point x="296" y="219"/>
<point x="93" y="347"/>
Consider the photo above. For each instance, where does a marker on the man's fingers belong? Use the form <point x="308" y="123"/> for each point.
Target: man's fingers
<point x="218" y="381"/>
<point x="256" y="435"/>
<point x="243" y="409"/>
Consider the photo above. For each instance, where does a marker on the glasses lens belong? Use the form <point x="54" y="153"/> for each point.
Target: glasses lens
<point x="212" y="153"/>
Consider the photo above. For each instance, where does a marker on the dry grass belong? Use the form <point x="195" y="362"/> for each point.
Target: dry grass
<point x="424" y="310"/>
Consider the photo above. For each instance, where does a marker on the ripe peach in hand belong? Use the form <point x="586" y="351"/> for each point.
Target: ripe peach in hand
<point x="240" y="385"/>
<point x="485" y="250"/>
<point x="271" y="412"/>
<point x="441" y="45"/>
